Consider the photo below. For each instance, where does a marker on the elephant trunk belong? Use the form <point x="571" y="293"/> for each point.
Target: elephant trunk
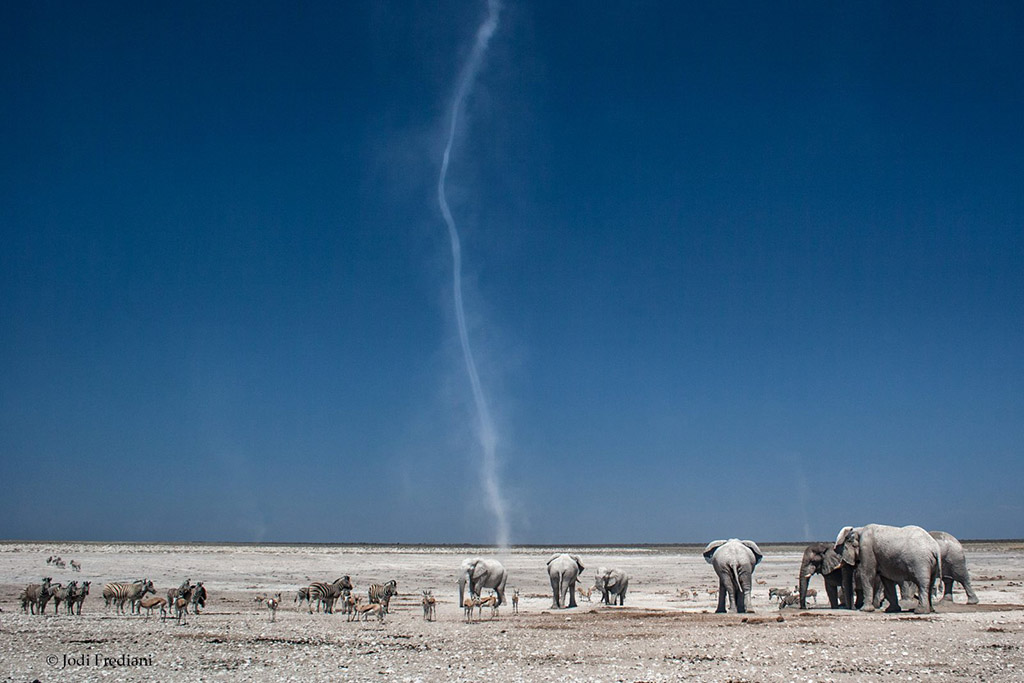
<point x="805" y="579"/>
<point x="848" y="594"/>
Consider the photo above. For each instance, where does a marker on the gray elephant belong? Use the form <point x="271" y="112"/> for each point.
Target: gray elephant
<point x="821" y="558"/>
<point x="613" y="584"/>
<point x="890" y="554"/>
<point x="564" y="570"/>
<point x="734" y="561"/>
<point x="482" y="573"/>
<point x="954" y="566"/>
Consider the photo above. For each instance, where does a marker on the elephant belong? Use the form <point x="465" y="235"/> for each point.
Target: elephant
<point x="821" y="558"/>
<point x="734" y="561"/>
<point x="954" y="567"/>
<point x="564" y="570"/>
<point x="613" y="584"/>
<point x="482" y="573"/>
<point x="892" y="555"/>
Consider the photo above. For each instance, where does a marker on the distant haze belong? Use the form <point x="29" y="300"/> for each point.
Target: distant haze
<point x="729" y="270"/>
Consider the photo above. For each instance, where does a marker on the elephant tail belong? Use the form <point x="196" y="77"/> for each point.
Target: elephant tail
<point x="735" y="576"/>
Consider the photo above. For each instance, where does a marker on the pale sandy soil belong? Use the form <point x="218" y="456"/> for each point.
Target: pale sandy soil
<point x="657" y="636"/>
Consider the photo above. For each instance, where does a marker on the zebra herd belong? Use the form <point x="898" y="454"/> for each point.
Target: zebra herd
<point x="326" y="595"/>
<point x="36" y="596"/>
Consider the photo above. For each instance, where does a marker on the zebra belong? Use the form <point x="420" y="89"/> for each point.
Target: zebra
<point x="382" y="593"/>
<point x="77" y="598"/>
<point x="62" y="594"/>
<point x="121" y="593"/>
<point x="32" y="593"/>
<point x="302" y="595"/>
<point x="198" y="597"/>
<point x="44" y="596"/>
<point x="327" y="593"/>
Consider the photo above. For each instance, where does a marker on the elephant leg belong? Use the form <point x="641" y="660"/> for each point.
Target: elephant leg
<point x="721" y="596"/>
<point x="889" y="587"/>
<point x="832" y="591"/>
<point x="572" y="594"/>
<point x="972" y="597"/>
<point x="945" y="586"/>
<point x="743" y="585"/>
<point x="867" y="598"/>
<point x="555" y="590"/>
<point x="924" y="594"/>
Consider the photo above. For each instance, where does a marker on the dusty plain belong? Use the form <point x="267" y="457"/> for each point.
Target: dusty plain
<point x="659" y="635"/>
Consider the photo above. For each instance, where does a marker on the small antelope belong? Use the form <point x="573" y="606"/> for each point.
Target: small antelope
<point x="150" y="603"/>
<point x="761" y="582"/>
<point x="351" y="605"/>
<point x="780" y="593"/>
<point x="181" y="610"/>
<point x="490" y="601"/>
<point x="468" y="604"/>
<point x="371" y="608"/>
<point x="75" y="566"/>
<point x="272" y="605"/>
<point x="812" y="593"/>
<point x="584" y="592"/>
<point x="429" y="606"/>
<point x="515" y="601"/>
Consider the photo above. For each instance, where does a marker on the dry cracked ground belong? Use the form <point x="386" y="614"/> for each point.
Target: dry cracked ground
<point x="663" y="633"/>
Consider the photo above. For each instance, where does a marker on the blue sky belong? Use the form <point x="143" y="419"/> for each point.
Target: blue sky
<point x="732" y="269"/>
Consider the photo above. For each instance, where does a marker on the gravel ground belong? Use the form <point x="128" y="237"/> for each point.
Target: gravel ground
<point x="658" y="636"/>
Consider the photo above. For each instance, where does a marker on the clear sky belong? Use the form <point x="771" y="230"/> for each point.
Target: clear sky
<point x="732" y="269"/>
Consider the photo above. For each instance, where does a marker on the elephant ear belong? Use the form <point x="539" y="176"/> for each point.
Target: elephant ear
<point x="830" y="561"/>
<point x="850" y="545"/>
<point x="758" y="555"/>
<point x="841" y="538"/>
<point x="579" y="564"/>
<point x="709" y="550"/>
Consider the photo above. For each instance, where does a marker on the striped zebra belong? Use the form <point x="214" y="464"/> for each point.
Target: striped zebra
<point x="76" y="599"/>
<point x="62" y="594"/>
<point x="198" y="597"/>
<point x="327" y="593"/>
<point x="120" y="593"/>
<point x="382" y="593"/>
<point x="302" y="595"/>
<point x="32" y="595"/>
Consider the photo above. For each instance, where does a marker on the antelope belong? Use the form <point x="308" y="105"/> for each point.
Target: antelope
<point x="350" y="606"/>
<point x="272" y="604"/>
<point x="584" y="593"/>
<point x="149" y="603"/>
<point x="429" y="606"/>
<point x="515" y="601"/>
<point x="372" y="607"/>
<point x="180" y="610"/>
<point x="490" y="601"/>
<point x="468" y="604"/>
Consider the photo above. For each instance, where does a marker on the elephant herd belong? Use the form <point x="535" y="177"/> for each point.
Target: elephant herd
<point x="864" y="559"/>
<point x="563" y="570"/>
<point x="862" y="568"/>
